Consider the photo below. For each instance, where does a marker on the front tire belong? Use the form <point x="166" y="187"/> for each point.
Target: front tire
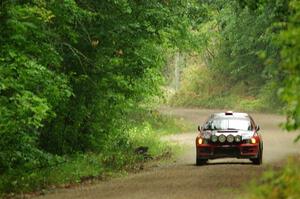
<point x="200" y="162"/>
<point x="258" y="160"/>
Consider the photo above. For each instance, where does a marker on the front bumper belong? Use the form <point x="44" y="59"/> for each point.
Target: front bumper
<point x="212" y="151"/>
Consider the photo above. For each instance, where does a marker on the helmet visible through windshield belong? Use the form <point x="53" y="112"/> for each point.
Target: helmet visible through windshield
<point x="228" y="124"/>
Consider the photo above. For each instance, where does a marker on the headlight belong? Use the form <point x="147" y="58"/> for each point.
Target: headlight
<point x="237" y="138"/>
<point x="214" y="138"/>
<point x="253" y="140"/>
<point x="199" y="141"/>
<point x="222" y="138"/>
<point x="230" y="138"/>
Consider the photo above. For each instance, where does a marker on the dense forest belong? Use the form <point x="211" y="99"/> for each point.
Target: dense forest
<point x="76" y="74"/>
<point x="248" y="61"/>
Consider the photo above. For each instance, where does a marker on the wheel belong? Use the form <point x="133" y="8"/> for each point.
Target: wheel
<point x="200" y="161"/>
<point x="258" y="160"/>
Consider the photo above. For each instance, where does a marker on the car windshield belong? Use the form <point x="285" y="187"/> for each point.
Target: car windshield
<point x="228" y="124"/>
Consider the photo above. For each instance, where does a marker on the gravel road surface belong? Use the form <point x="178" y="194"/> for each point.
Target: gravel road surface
<point x="221" y="178"/>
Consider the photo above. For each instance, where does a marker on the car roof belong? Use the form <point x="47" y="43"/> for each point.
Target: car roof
<point x="230" y="114"/>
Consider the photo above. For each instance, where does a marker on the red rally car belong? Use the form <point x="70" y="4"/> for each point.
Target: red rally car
<point x="229" y="134"/>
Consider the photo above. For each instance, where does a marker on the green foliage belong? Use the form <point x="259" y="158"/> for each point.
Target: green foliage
<point x="29" y="91"/>
<point x="73" y="73"/>
<point x="117" y="156"/>
<point x="275" y="184"/>
<point x="162" y="124"/>
<point x="202" y="87"/>
<point x="239" y="62"/>
<point x="288" y="39"/>
<point x="245" y="45"/>
<point x="146" y="136"/>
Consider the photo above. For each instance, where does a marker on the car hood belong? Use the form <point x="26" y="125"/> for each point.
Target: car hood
<point x="244" y="134"/>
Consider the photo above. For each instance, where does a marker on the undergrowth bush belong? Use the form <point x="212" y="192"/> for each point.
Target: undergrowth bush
<point x="277" y="184"/>
<point x="118" y="155"/>
<point x="162" y="124"/>
<point x="146" y="136"/>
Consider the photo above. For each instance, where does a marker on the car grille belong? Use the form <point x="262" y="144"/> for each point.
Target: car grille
<point x="204" y="150"/>
<point x="230" y="151"/>
<point x="248" y="149"/>
<point x="224" y="143"/>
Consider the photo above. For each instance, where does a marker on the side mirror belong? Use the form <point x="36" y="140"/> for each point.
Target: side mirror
<point x="200" y="128"/>
<point x="257" y="128"/>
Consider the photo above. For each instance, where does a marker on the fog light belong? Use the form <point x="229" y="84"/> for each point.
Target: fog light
<point x="214" y="138"/>
<point x="230" y="138"/>
<point x="237" y="138"/>
<point x="222" y="138"/>
<point x="253" y="140"/>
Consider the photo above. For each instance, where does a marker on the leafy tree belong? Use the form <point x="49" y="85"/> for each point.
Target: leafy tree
<point x="71" y="73"/>
<point x="245" y="44"/>
<point x="288" y="40"/>
<point x="29" y="90"/>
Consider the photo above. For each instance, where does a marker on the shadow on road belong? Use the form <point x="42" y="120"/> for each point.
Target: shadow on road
<point x="221" y="163"/>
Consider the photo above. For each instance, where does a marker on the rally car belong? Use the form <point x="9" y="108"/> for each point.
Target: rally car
<point x="229" y="134"/>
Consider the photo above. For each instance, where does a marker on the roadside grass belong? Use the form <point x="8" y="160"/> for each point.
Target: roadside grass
<point x="66" y="171"/>
<point x="162" y="124"/>
<point x="277" y="183"/>
<point x="168" y="124"/>
<point x="88" y="167"/>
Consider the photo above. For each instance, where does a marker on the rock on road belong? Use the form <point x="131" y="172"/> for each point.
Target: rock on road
<point x="221" y="178"/>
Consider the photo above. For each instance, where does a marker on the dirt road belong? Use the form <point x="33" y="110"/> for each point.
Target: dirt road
<point x="222" y="178"/>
